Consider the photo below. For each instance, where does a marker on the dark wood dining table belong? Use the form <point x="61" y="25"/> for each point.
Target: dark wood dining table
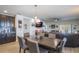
<point x="47" y="43"/>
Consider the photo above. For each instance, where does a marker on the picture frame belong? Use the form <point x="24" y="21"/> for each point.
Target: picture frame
<point x="25" y="26"/>
<point x="19" y="24"/>
<point x="53" y="26"/>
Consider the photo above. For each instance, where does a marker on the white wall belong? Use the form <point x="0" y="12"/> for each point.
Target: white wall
<point x="63" y="22"/>
<point x="25" y="20"/>
<point x="19" y="31"/>
<point x="29" y="28"/>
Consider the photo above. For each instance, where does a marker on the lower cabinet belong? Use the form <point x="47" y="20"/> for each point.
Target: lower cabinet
<point x="6" y="38"/>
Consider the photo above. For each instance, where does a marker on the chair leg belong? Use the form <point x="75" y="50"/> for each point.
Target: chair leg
<point x="25" y="49"/>
<point x="20" y="50"/>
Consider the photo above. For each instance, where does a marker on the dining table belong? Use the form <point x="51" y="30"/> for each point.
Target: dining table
<point x="47" y="43"/>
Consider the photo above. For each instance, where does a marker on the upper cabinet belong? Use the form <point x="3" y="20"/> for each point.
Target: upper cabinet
<point x="7" y="24"/>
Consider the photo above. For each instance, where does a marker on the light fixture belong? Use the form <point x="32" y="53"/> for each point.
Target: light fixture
<point x="32" y="20"/>
<point x="35" y="5"/>
<point x="5" y="11"/>
<point x="36" y="19"/>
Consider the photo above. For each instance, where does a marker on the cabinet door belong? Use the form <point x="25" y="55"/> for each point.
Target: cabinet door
<point x="6" y="29"/>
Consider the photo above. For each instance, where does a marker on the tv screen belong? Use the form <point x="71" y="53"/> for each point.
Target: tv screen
<point x="39" y="24"/>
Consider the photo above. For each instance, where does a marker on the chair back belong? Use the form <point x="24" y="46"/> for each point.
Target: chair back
<point x="46" y="34"/>
<point x="33" y="46"/>
<point x="26" y="35"/>
<point x="52" y="36"/>
<point x="64" y="41"/>
<point x="21" y="42"/>
<point x="61" y="45"/>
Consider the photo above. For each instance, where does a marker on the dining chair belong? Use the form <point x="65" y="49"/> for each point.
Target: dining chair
<point x="22" y="44"/>
<point x="26" y="34"/>
<point x="34" y="47"/>
<point x="52" y="36"/>
<point x="59" y="47"/>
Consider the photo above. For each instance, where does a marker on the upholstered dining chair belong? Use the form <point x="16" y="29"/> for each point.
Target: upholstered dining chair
<point x="34" y="47"/>
<point x="52" y="36"/>
<point x="26" y="34"/>
<point x="22" y="44"/>
<point x="60" y="46"/>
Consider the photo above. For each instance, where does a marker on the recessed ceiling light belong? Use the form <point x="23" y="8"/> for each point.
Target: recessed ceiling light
<point x="5" y="11"/>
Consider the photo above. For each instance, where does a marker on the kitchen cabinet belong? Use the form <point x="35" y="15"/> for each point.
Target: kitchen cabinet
<point x="7" y="29"/>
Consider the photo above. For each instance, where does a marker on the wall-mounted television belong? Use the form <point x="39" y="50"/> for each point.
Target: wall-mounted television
<point x="39" y="24"/>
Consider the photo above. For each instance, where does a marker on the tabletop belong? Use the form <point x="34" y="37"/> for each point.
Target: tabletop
<point x="50" y="43"/>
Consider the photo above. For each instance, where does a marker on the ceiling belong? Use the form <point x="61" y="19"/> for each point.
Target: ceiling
<point x="42" y="11"/>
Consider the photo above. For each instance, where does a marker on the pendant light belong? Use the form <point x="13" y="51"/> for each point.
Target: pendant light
<point x="36" y="18"/>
